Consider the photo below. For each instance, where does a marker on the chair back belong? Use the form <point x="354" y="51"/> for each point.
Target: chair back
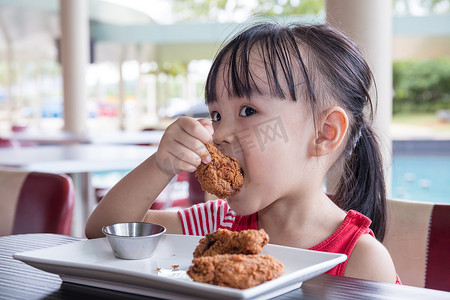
<point x="38" y="202"/>
<point x="418" y="239"/>
<point x="438" y="260"/>
<point x="12" y="143"/>
<point x="8" y="143"/>
<point x="176" y="194"/>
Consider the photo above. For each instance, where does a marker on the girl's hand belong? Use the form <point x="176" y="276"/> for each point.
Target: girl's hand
<point x="182" y="147"/>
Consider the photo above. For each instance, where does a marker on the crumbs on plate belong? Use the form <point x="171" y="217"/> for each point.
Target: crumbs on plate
<point x="174" y="268"/>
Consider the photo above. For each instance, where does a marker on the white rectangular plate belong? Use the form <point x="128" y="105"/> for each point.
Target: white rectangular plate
<point x="92" y="262"/>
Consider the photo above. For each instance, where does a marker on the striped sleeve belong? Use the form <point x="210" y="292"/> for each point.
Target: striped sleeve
<point x="204" y="218"/>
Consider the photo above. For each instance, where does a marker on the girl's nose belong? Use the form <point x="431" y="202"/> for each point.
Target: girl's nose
<point x="224" y="134"/>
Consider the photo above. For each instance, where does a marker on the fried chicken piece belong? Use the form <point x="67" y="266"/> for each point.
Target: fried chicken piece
<point x="224" y="241"/>
<point x="235" y="270"/>
<point x="222" y="176"/>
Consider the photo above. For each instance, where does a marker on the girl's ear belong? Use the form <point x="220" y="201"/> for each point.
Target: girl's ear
<point x="332" y="129"/>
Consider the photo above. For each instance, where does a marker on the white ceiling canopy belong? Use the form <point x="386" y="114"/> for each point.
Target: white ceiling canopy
<point x="29" y="28"/>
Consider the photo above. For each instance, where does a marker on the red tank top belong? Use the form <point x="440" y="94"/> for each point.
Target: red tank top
<point x="344" y="239"/>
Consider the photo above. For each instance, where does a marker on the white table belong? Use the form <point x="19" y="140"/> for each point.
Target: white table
<point x="127" y="137"/>
<point x="78" y="161"/>
<point x="47" y="137"/>
<point x="113" y="137"/>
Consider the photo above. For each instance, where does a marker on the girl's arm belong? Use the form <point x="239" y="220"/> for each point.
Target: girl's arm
<point x="181" y="149"/>
<point x="129" y="199"/>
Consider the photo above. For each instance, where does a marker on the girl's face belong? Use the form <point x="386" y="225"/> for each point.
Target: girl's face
<point x="272" y="140"/>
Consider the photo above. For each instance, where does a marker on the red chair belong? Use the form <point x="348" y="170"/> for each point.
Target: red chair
<point x="196" y="193"/>
<point x="176" y="194"/>
<point x="8" y="143"/>
<point x="12" y="143"/>
<point x="418" y="239"/>
<point x="18" y="128"/>
<point x="44" y="203"/>
<point x="438" y="262"/>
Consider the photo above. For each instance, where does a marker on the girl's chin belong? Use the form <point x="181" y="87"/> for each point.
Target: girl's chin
<point x="239" y="206"/>
<point x="236" y="198"/>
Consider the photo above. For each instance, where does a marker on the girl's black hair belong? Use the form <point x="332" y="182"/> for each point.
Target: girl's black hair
<point x="320" y="62"/>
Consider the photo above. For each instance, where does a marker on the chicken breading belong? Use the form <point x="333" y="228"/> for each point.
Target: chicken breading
<point x="224" y="241"/>
<point x="222" y="176"/>
<point x="235" y="270"/>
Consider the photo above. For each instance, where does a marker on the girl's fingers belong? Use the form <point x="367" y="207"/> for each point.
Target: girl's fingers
<point x="207" y="124"/>
<point x="182" y="152"/>
<point x="178" y="164"/>
<point x="176" y="157"/>
<point x="183" y="145"/>
<point x="196" y="128"/>
<point x="195" y="146"/>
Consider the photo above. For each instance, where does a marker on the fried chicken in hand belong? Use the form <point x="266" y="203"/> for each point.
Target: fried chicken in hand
<point x="222" y="176"/>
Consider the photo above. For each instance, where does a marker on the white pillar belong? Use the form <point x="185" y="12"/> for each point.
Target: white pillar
<point x="121" y="114"/>
<point x="10" y="71"/>
<point x="10" y="82"/>
<point x="74" y="58"/>
<point x="369" y="24"/>
<point x="152" y="110"/>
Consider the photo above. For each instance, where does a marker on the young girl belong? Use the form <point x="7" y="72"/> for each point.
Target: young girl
<point x="289" y="102"/>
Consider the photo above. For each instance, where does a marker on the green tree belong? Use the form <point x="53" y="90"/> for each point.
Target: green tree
<point x="213" y="10"/>
<point x="427" y="6"/>
<point x="421" y="85"/>
<point x="202" y="10"/>
<point x="289" y="7"/>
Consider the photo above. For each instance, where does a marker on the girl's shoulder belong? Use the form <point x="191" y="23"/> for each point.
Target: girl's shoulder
<point x="344" y="239"/>
<point x="370" y="260"/>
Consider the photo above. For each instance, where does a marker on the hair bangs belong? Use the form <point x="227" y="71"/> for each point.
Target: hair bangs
<point x="274" y="49"/>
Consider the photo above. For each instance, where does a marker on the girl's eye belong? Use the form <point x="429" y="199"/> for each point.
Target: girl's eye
<point x="247" y="111"/>
<point x="215" y="116"/>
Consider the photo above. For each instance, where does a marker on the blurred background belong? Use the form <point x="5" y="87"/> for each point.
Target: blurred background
<point x="148" y="62"/>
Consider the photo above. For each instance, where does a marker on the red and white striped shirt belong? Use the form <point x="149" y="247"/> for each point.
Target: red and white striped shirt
<point x="208" y="217"/>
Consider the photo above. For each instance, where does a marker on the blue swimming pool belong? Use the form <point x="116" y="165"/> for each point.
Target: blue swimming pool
<point x="421" y="170"/>
<point x="421" y="177"/>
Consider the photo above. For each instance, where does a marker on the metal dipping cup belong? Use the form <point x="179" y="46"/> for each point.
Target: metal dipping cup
<point x="134" y="240"/>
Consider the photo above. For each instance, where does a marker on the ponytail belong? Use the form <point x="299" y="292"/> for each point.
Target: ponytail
<point x="362" y="187"/>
